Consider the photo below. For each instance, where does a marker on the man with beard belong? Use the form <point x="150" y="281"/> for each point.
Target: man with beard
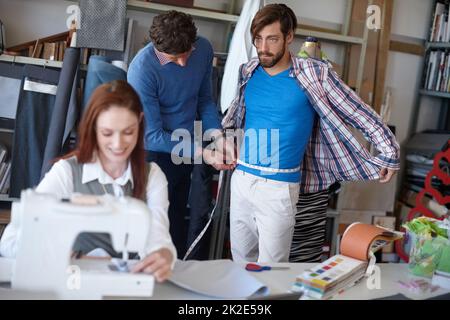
<point x="295" y="113"/>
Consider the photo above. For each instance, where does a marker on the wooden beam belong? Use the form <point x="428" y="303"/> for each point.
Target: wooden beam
<point x="362" y="59"/>
<point x="409" y="48"/>
<point x="383" y="53"/>
<point x="320" y="29"/>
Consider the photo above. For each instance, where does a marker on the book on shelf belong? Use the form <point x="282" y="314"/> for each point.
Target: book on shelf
<point x="5" y="179"/>
<point x="437" y="75"/>
<point x="3" y="153"/>
<point x="2" y="228"/>
<point x="3" y="167"/>
<point x="440" y="27"/>
<point x="50" y="48"/>
<point x="358" y="244"/>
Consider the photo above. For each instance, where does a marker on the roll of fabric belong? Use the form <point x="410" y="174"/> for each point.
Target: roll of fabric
<point x="102" y="24"/>
<point x="65" y="111"/>
<point x="32" y="124"/>
<point x="100" y="70"/>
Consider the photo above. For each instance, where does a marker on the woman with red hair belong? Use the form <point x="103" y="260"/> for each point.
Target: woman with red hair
<point x="110" y="159"/>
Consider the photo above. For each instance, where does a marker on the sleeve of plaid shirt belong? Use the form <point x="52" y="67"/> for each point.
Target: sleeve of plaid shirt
<point x="361" y="116"/>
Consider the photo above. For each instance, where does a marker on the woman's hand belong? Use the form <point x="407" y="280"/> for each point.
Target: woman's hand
<point x="157" y="263"/>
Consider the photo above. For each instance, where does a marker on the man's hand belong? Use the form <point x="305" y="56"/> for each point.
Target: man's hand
<point x="386" y="175"/>
<point x="157" y="263"/>
<point x="221" y="154"/>
<point x="218" y="160"/>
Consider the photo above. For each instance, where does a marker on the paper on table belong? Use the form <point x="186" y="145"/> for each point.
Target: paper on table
<point x="217" y="278"/>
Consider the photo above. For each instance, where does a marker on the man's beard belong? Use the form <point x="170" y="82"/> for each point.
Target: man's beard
<point x="272" y="59"/>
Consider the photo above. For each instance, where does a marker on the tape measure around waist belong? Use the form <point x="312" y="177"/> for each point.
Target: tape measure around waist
<point x="275" y="170"/>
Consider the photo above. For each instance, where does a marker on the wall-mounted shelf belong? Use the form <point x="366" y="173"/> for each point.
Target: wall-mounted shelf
<point x="28" y="60"/>
<point x="437" y="45"/>
<point x="6" y="130"/>
<point x="433" y="77"/>
<point x="329" y="36"/>
<point x="5" y="197"/>
<point x="194" y="12"/>
<point x="435" y="93"/>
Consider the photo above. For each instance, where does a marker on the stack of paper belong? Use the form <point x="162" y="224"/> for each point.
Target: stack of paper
<point x="330" y="277"/>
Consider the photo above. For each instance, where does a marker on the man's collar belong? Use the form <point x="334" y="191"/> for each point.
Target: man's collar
<point x="162" y="58"/>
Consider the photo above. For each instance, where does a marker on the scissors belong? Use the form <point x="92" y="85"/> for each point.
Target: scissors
<point x="257" y="268"/>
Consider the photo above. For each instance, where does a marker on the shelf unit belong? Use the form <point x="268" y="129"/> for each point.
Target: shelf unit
<point x="231" y="19"/>
<point x="6" y="134"/>
<point x="444" y="103"/>
<point x="27" y="60"/>
<point x="203" y="14"/>
<point x="4" y="197"/>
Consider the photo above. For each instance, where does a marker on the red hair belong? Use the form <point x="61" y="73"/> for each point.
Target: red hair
<point x="120" y="94"/>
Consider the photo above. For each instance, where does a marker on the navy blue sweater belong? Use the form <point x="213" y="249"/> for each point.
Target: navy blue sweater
<point x="172" y="96"/>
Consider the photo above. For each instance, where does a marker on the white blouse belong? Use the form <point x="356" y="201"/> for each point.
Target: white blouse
<point x="59" y="181"/>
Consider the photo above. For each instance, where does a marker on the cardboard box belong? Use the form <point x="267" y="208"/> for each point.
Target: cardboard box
<point x="367" y="196"/>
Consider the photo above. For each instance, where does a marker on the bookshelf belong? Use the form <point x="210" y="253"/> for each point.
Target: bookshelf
<point x="435" y="82"/>
<point x="6" y="138"/>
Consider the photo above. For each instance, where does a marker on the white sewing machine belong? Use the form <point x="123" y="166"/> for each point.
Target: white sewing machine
<point x="49" y="229"/>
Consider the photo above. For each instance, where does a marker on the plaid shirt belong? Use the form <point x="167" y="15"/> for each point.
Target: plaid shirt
<point x="333" y="153"/>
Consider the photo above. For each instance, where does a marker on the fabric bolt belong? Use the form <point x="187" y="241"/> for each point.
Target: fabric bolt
<point x="65" y="111"/>
<point x="309" y="229"/>
<point x="241" y="50"/>
<point x="33" y="118"/>
<point x="100" y="70"/>
<point x="102" y="24"/>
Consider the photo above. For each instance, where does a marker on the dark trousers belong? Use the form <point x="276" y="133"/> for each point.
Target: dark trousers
<point x="179" y="181"/>
<point x="200" y="203"/>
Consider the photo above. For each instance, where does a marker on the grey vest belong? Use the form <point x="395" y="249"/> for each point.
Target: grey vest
<point x="87" y="242"/>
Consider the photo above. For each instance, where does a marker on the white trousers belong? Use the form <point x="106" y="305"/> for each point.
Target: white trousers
<point x="262" y="218"/>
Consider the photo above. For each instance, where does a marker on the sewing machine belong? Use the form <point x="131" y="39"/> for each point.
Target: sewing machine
<point x="49" y="229"/>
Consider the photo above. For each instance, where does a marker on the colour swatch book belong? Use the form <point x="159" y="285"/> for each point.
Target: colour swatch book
<point x="342" y="271"/>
